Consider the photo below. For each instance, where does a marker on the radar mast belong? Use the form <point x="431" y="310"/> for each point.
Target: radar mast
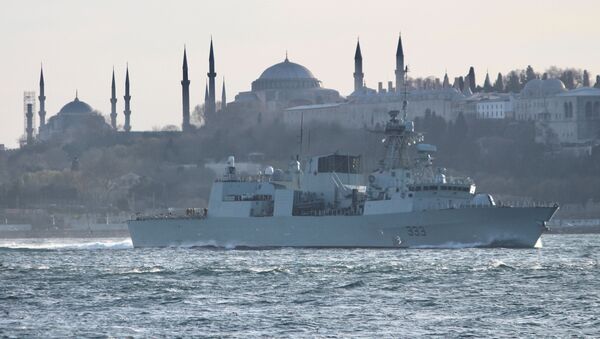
<point x="399" y="135"/>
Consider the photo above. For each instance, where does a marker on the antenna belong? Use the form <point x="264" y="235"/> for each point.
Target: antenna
<point x="301" y="135"/>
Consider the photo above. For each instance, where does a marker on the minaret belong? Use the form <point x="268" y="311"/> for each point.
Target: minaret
<point x="211" y="81"/>
<point x="206" y="99"/>
<point x="223" y="97"/>
<point x="29" y="128"/>
<point x="399" y="66"/>
<point x="127" y="98"/>
<point x="185" y="94"/>
<point x="42" y="98"/>
<point x="113" y="102"/>
<point x="358" y="70"/>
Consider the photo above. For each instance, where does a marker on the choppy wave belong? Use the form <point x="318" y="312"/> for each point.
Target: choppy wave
<point x="66" y="244"/>
<point x="500" y="264"/>
<point x="74" y="288"/>
<point x="452" y="245"/>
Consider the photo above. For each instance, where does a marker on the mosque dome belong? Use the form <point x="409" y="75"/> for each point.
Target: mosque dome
<point x="287" y="70"/>
<point x="286" y="75"/>
<point x="76" y="107"/>
<point x="543" y="88"/>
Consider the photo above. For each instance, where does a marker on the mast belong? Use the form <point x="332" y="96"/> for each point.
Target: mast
<point x="405" y="100"/>
<point x="399" y="135"/>
<point x="301" y="135"/>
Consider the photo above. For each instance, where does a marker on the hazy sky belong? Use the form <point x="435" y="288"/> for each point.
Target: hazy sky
<point x="79" y="42"/>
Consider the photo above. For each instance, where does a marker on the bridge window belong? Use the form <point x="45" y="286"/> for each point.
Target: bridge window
<point x="339" y="164"/>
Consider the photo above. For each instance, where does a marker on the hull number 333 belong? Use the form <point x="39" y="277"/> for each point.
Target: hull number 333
<point x="416" y="231"/>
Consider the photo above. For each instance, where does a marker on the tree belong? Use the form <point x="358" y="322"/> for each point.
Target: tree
<point x="487" y="84"/>
<point x="471" y="77"/>
<point x="456" y="84"/>
<point x="568" y="79"/>
<point x="461" y="83"/>
<point x="499" y="84"/>
<point x="446" y="81"/>
<point x="571" y="77"/>
<point x="586" y="79"/>
<point x="530" y="74"/>
<point x="597" y="85"/>
<point x="461" y="129"/>
<point x="513" y="84"/>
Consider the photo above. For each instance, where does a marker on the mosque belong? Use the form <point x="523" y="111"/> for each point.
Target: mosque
<point x="368" y="108"/>
<point x="290" y="93"/>
<point x="78" y="117"/>
<point x="566" y="118"/>
<point x="283" y="85"/>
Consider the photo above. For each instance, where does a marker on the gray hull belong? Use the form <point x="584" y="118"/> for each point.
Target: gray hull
<point x="467" y="227"/>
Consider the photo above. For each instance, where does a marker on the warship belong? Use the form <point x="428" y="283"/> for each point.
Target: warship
<point x="328" y="202"/>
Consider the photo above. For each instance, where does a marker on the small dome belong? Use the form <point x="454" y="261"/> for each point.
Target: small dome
<point x="532" y="88"/>
<point x="76" y="107"/>
<point x="553" y="86"/>
<point x="287" y="70"/>
<point x="543" y="88"/>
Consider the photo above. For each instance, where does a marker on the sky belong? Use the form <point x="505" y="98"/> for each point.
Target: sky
<point x="79" y="43"/>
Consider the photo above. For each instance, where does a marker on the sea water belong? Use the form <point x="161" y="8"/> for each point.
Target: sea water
<point x="104" y="287"/>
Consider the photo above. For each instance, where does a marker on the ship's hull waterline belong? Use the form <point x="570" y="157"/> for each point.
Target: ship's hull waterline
<point x="449" y="228"/>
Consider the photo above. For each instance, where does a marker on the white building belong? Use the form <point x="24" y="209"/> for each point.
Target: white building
<point x="370" y="109"/>
<point x="562" y="117"/>
<point x="495" y="106"/>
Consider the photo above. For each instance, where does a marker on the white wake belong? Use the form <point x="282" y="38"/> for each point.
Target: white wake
<point x="67" y="244"/>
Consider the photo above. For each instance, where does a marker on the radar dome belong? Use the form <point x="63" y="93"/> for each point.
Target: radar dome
<point x="231" y="161"/>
